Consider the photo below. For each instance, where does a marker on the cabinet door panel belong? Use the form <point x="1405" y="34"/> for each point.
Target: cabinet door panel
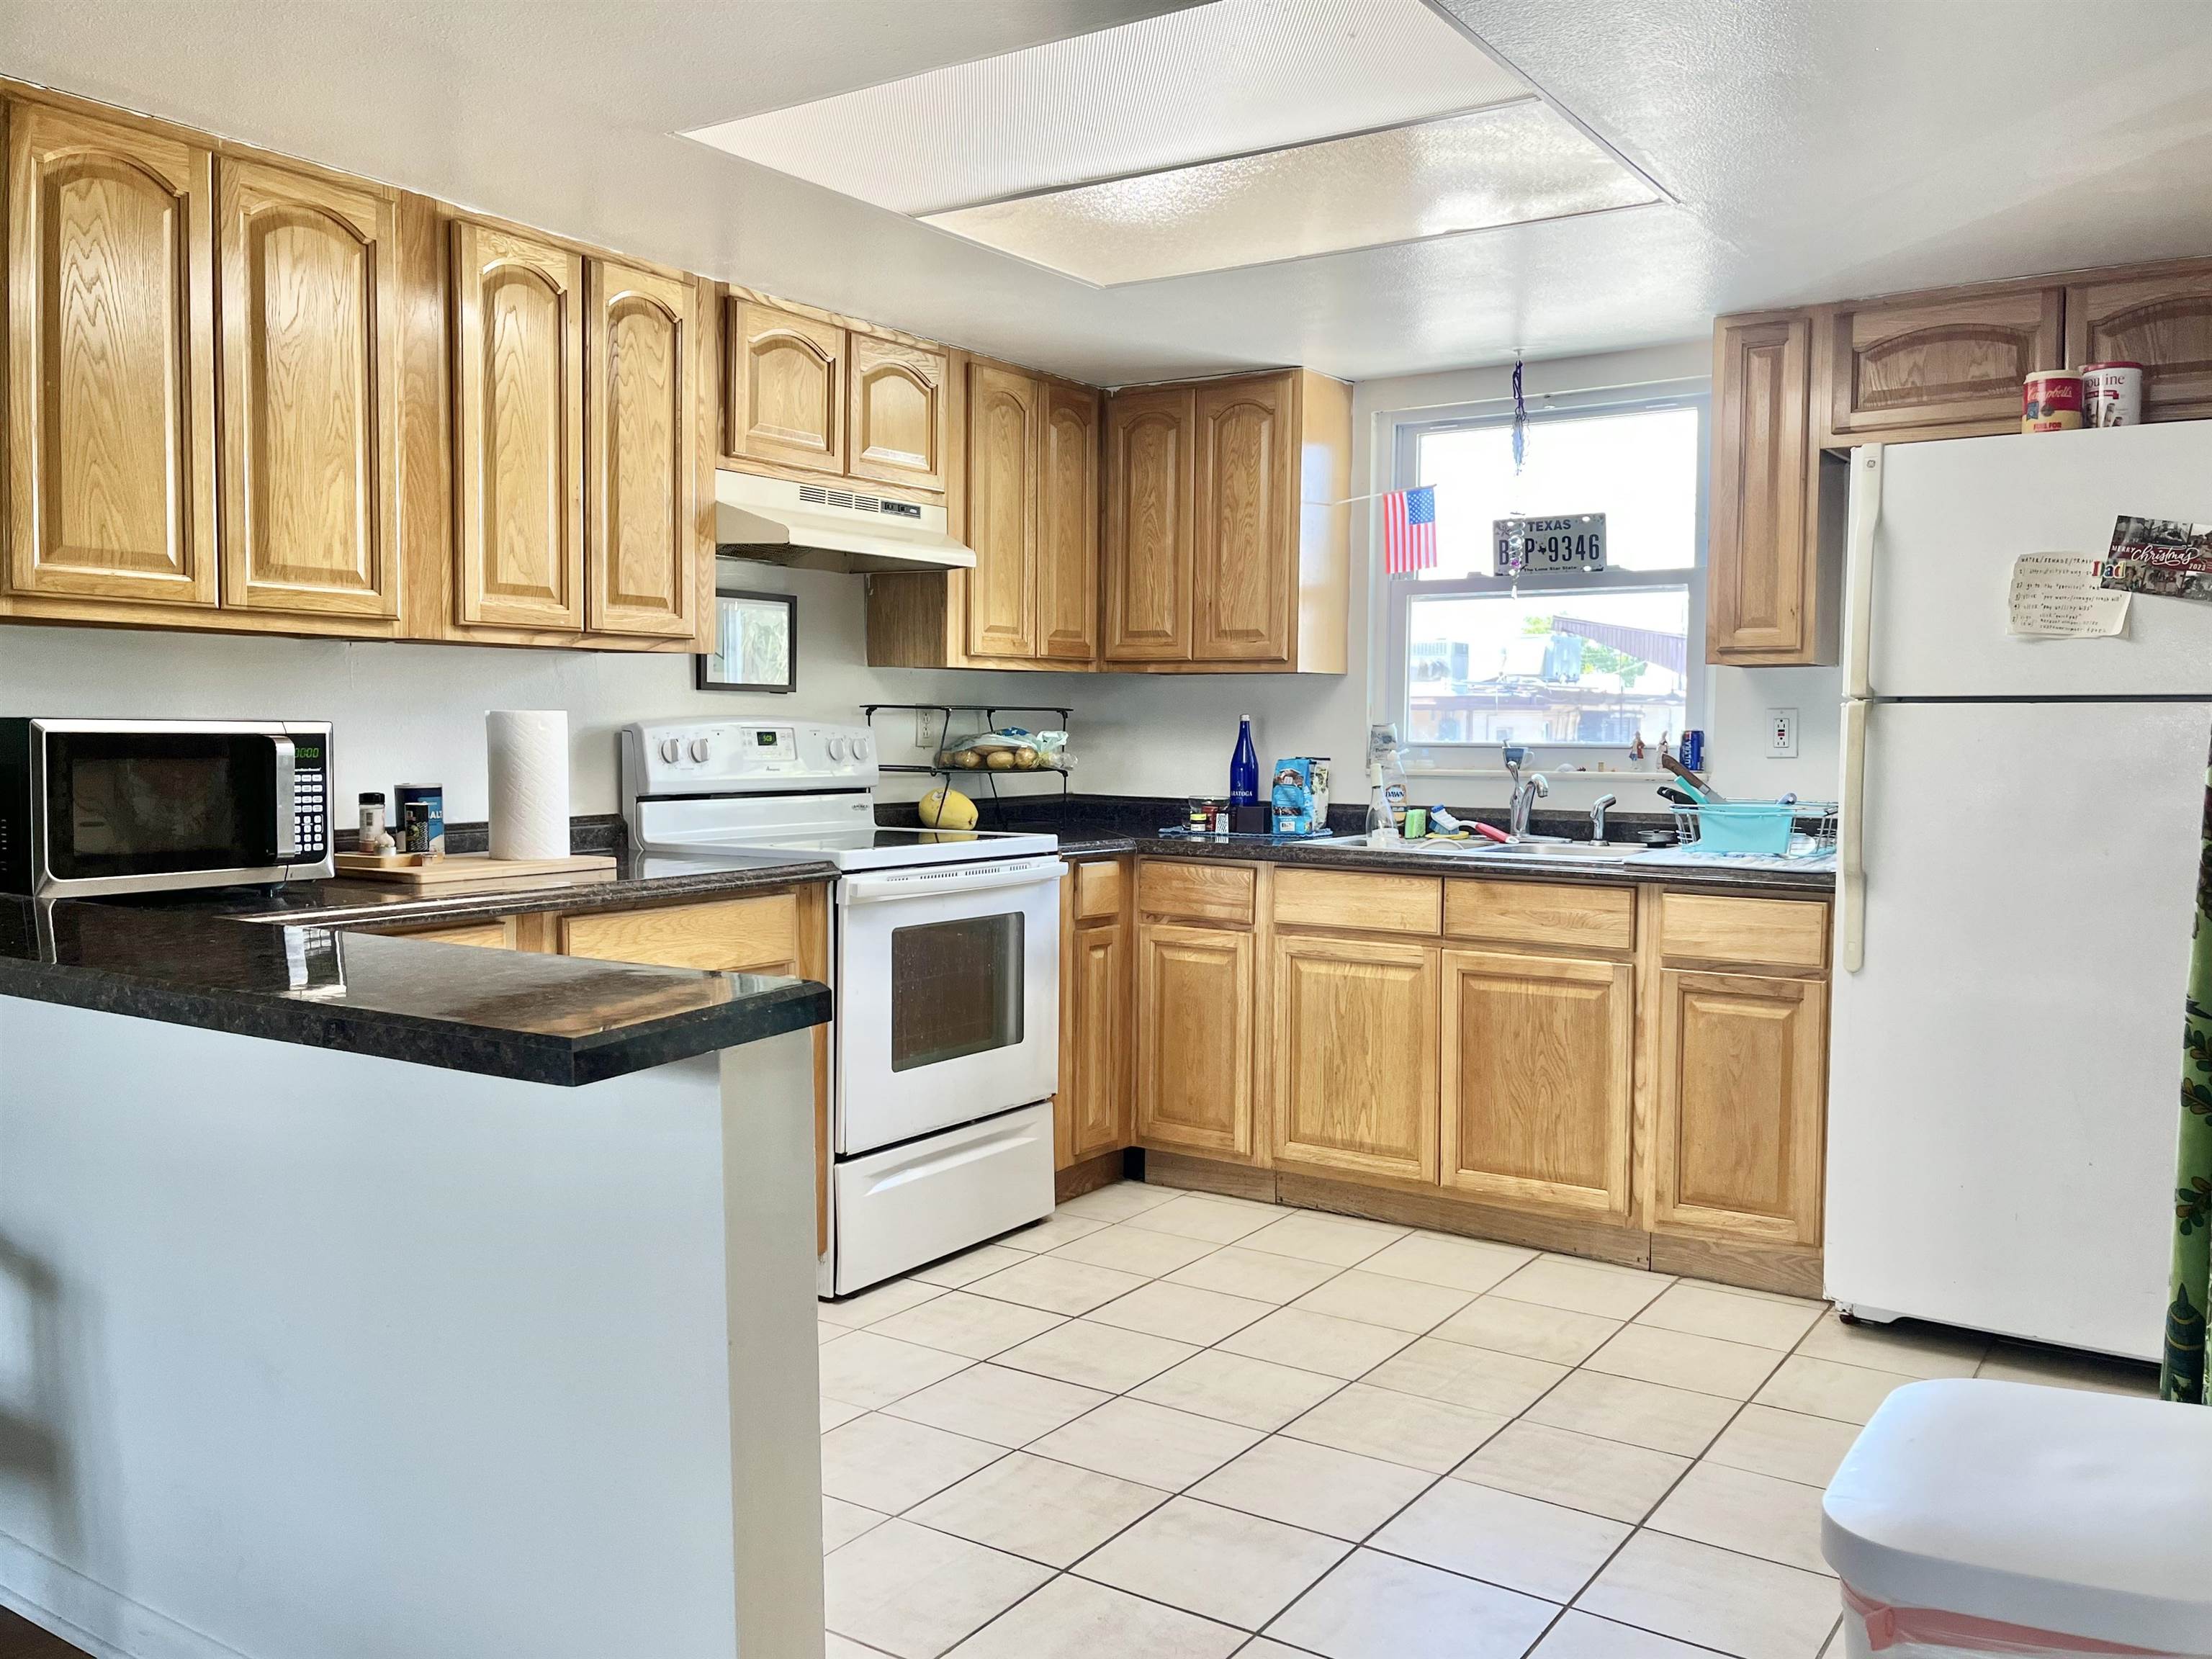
<point x="1095" y="1051"/>
<point x="1738" y="1107"/>
<point x="310" y="407"/>
<point x="1003" y="448"/>
<point x="1942" y="366"/>
<point x="897" y="407"/>
<point x="519" y="428"/>
<point x="643" y="548"/>
<point x="1067" y="527"/>
<point x="1195" y="1040"/>
<point x="1760" y="579"/>
<point x="1244" y="490"/>
<point x="1539" y="1056"/>
<point x="749" y="935"/>
<point x="1148" y="525"/>
<point x="1355" y="1055"/>
<point x="111" y="363"/>
<point x="2162" y="319"/>
<point x="784" y="399"/>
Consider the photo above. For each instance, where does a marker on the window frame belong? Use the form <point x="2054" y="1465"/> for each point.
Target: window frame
<point x="1405" y="431"/>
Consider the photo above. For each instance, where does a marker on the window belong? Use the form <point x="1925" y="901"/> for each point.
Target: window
<point x="1576" y="658"/>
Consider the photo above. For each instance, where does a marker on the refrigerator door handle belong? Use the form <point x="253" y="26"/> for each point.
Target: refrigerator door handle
<point x="1851" y="842"/>
<point x="1858" y="579"/>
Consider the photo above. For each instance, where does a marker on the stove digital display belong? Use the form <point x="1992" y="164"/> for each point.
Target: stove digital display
<point x="765" y="739"/>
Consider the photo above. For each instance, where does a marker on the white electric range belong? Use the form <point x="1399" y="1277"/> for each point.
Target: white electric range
<point x="944" y="1042"/>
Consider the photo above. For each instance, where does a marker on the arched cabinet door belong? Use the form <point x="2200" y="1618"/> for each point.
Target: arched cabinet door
<point x="1243" y="495"/>
<point x="111" y="363"/>
<point x="1003" y="409"/>
<point x="1067" y="526"/>
<point x="898" y="413"/>
<point x="642" y="541"/>
<point x="310" y="407"/>
<point x="518" y="429"/>
<point x="1148" y="525"/>
<point x="785" y="399"/>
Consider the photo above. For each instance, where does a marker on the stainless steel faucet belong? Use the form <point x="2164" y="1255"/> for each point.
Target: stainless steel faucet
<point x="1597" y="814"/>
<point x="1525" y="791"/>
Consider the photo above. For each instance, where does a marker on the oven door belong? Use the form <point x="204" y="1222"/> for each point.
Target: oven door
<point x="948" y="984"/>
<point x="123" y="807"/>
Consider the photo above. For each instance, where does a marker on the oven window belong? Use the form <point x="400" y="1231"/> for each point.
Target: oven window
<point x="129" y="804"/>
<point x="956" y="989"/>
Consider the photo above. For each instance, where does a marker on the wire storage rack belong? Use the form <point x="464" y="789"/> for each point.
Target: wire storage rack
<point x="990" y="715"/>
<point x="1812" y="831"/>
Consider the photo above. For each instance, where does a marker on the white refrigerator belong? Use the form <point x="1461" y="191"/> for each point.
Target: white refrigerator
<point x="2017" y="865"/>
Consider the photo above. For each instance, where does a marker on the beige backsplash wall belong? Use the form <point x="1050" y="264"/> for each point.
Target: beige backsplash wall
<point x="415" y="713"/>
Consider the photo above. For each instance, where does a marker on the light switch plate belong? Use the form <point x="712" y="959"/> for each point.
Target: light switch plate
<point x="1782" y="734"/>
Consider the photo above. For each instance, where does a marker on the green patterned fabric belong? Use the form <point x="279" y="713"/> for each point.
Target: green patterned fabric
<point x="2182" y="1376"/>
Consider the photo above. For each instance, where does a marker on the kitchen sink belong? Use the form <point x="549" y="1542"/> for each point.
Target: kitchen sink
<point x="1477" y="847"/>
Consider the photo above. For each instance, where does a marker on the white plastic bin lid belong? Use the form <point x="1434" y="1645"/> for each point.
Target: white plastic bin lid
<point x="2088" y="1514"/>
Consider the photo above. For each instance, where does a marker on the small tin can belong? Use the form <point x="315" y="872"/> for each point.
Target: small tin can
<point x="431" y="798"/>
<point x="2051" y="401"/>
<point x="1693" y="751"/>
<point x="2112" y="394"/>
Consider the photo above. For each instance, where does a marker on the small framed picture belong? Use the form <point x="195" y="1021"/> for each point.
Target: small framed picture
<point x="755" y="643"/>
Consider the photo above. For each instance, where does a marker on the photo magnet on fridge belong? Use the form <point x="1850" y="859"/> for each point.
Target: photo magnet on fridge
<point x="2162" y="556"/>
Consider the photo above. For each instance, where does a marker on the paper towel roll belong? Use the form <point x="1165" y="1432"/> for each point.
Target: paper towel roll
<point x="527" y="754"/>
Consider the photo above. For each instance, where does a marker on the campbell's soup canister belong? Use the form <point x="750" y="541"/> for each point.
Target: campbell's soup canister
<point x="2051" y="401"/>
<point x="2112" y="394"/>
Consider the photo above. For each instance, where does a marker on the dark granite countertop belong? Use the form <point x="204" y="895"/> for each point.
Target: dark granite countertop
<point x="548" y="1019"/>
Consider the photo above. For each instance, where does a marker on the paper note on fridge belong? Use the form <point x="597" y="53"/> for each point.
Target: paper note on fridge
<point x="2055" y="596"/>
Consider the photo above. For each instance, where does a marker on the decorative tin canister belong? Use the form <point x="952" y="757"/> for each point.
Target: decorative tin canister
<point x="2051" y="401"/>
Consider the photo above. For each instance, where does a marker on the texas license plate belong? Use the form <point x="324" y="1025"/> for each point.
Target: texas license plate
<point x="1541" y="545"/>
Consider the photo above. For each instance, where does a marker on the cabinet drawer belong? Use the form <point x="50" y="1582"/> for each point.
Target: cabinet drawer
<point x="1196" y="891"/>
<point x="497" y="934"/>
<point x="1098" y="890"/>
<point x="1359" y="904"/>
<point x="1541" y="913"/>
<point x="727" y="935"/>
<point x="1758" y="932"/>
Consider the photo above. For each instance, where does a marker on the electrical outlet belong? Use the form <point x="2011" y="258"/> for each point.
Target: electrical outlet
<point x="925" y="727"/>
<point x="1782" y="734"/>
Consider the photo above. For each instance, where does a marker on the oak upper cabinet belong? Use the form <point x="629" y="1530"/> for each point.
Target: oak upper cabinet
<point x="111" y="363"/>
<point x="1004" y="424"/>
<point x="1067" y="526"/>
<point x="1763" y="593"/>
<point x="1942" y="365"/>
<point x="1539" y="1059"/>
<point x="1148" y="483"/>
<point x="518" y="429"/>
<point x="1228" y="525"/>
<point x="2159" y="317"/>
<point x="1355" y="1055"/>
<point x="896" y="403"/>
<point x="1737" y="1111"/>
<point x="310" y="405"/>
<point x="1194" y="1084"/>
<point x="642" y="545"/>
<point x="784" y="393"/>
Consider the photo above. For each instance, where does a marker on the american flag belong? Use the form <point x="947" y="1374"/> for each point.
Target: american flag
<point x="1409" y="530"/>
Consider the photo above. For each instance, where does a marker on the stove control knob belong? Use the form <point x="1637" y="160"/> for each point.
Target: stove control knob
<point x="698" y="749"/>
<point x="860" y="748"/>
<point x="836" y="749"/>
<point x="670" y="750"/>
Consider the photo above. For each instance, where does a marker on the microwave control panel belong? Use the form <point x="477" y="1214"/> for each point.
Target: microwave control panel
<point x="725" y="756"/>
<point x="310" y="797"/>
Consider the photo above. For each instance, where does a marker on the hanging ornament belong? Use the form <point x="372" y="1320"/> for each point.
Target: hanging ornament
<point x="1520" y="421"/>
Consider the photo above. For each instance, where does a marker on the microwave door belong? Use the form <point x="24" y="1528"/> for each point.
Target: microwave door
<point x="126" y="811"/>
<point x="949" y="999"/>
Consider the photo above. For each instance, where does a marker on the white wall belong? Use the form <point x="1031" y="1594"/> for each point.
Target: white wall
<point x="414" y="713"/>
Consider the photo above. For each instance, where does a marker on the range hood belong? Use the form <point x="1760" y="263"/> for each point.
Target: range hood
<point x="828" y="527"/>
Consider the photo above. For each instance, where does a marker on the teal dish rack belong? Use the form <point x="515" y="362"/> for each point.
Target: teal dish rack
<point x="1758" y="828"/>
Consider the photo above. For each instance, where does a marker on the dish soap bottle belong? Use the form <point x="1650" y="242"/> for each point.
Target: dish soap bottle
<point x="1382" y="822"/>
<point x="1388" y="766"/>
<point x="1244" y="766"/>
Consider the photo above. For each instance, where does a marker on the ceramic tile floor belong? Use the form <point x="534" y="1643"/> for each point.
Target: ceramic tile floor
<point x="1169" y="1425"/>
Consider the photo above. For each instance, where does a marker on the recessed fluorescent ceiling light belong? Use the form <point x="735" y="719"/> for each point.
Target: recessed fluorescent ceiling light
<point x="1495" y="167"/>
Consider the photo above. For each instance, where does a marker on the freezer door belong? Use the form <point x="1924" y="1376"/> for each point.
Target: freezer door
<point x="1953" y="516"/>
<point x="2005" y="1064"/>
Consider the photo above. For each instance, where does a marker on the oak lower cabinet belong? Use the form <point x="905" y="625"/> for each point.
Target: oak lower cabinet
<point x="1195" y="1020"/>
<point x="1738" y="1106"/>
<point x="1092" y="1109"/>
<point x="759" y="935"/>
<point x="1354" y="1055"/>
<point x="1539" y="1090"/>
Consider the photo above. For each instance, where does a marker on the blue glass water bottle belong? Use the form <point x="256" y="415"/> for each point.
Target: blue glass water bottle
<point x="1244" y="766"/>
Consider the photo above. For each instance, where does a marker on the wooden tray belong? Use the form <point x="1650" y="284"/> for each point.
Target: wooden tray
<point x="473" y="869"/>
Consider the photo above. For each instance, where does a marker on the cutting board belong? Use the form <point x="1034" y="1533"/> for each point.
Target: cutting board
<point x="473" y="870"/>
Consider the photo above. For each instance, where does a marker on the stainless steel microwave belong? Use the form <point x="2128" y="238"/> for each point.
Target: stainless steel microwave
<point x="91" y="806"/>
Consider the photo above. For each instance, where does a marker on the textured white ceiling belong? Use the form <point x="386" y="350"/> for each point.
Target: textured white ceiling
<point x="1816" y="148"/>
<point x="1130" y="100"/>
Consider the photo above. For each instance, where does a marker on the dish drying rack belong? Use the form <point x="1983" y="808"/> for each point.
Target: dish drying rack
<point x="1812" y="835"/>
<point x="990" y="714"/>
